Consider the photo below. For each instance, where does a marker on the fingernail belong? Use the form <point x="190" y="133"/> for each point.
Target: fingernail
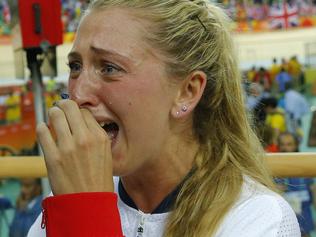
<point x="64" y="96"/>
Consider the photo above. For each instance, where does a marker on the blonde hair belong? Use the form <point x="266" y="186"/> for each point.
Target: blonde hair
<point x="194" y="35"/>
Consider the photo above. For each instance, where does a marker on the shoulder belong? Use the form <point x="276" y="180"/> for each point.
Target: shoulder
<point x="259" y="212"/>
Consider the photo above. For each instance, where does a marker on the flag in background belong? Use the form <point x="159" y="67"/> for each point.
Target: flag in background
<point x="6" y="12"/>
<point x="306" y="7"/>
<point x="283" y="15"/>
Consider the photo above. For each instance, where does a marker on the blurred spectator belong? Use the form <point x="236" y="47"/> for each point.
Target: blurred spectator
<point x="50" y="98"/>
<point x="255" y="93"/>
<point x="5" y="18"/>
<point x="28" y="207"/>
<point x="248" y="15"/>
<point x="13" y="108"/>
<point x="284" y="64"/>
<point x="5" y="204"/>
<point x="275" y="116"/>
<point x="296" y="106"/>
<point x="266" y="135"/>
<point x="251" y="74"/>
<point x="263" y="78"/>
<point x="282" y="78"/>
<point x="297" y="191"/>
<point x="294" y="69"/>
<point x="274" y="69"/>
<point x="71" y="12"/>
<point x="51" y="85"/>
<point x="2" y="109"/>
<point x="259" y="112"/>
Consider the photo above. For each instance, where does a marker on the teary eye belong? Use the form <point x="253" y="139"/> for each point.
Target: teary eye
<point x="108" y="69"/>
<point x="75" y="68"/>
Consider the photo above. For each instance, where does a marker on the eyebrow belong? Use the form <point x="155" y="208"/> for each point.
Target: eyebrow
<point x="101" y="51"/>
<point x="74" y="54"/>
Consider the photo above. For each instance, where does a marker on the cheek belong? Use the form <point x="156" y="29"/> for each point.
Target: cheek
<point x="146" y="108"/>
<point x="129" y="96"/>
<point x="117" y="95"/>
<point x="71" y="86"/>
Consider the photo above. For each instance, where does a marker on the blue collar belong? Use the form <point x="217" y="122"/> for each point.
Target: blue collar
<point x="165" y="206"/>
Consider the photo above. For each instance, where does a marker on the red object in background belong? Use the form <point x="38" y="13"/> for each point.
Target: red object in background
<point x="14" y="138"/>
<point x="40" y="21"/>
<point x="272" y="148"/>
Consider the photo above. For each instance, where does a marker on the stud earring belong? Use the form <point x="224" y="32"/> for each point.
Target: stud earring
<point x="177" y="113"/>
<point x="184" y="108"/>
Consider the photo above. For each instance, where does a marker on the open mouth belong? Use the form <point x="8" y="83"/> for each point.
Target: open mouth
<point x="111" y="129"/>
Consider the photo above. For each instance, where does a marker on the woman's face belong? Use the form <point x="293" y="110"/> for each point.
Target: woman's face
<point x="117" y="76"/>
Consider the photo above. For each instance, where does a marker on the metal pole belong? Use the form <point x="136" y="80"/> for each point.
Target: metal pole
<point x="38" y="93"/>
<point x="34" y="64"/>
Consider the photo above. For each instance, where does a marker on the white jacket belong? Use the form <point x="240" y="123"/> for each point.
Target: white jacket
<point x="258" y="212"/>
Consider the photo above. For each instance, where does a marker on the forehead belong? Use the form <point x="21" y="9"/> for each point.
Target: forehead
<point x="113" y="28"/>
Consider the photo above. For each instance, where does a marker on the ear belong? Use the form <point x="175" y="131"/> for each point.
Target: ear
<point x="189" y="94"/>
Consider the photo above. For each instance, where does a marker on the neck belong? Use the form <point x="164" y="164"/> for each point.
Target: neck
<point x="149" y="186"/>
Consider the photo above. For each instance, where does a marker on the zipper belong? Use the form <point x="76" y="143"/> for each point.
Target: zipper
<point x="44" y="217"/>
<point x="140" y="227"/>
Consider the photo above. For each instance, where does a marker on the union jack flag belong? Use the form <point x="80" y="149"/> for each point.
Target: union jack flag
<point x="283" y="15"/>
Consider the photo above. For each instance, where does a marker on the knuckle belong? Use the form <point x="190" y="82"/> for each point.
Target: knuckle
<point x="53" y="160"/>
<point x="67" y="104"/>
<point x="41" y="129"/>
<point x="85" y="142"/>
<point x="54" y="113"/>
<point x="58" y="161"/>
<point x="67" y="150"/>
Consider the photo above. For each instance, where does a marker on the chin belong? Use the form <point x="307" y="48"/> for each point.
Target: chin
<point x="119" y="173"/>
<point x="119" y="168"/>
<point x="123" y="169"/>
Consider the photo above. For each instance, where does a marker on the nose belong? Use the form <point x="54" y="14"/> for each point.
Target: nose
<point x="84" y="90"/>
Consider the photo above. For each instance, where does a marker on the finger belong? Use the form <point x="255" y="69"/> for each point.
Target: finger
<point x="90" y="121"/>
<point x="51" y="152"/>
<point x="46" y="141"/>
<point x="95" y="129"/>
<point x="74" y="117"/>
<point x="60" y="125"/>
